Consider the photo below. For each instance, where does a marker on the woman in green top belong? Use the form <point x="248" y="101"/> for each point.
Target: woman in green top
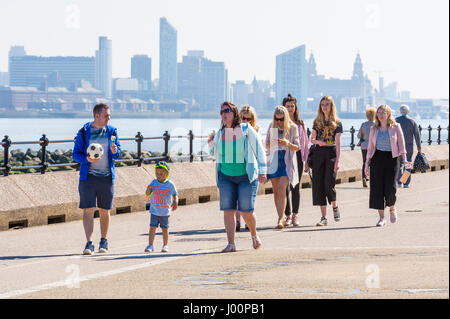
<point x="240" y="167"/>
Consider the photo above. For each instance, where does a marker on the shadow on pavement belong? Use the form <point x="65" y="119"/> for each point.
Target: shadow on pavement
<point x="192" y="232"/>
<point x="297" y="230"/>
<point x="31" y="257"/>
<point x="160" y="255"/>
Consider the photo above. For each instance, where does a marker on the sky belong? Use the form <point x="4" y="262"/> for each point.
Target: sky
<point x="406" y="41"/>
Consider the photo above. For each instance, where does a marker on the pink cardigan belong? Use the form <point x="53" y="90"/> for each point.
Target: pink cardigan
<point x="396" y="138"/>
<point x="303" y="137"/>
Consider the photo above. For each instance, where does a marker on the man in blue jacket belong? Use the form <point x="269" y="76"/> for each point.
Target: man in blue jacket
<point x="96" y="185"/>
<point x="411" y="133"/>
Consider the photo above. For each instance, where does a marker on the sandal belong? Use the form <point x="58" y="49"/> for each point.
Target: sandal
<point x="256" y="242"/>
<point x="279" y="226"/>
<point x="230" y="248"/>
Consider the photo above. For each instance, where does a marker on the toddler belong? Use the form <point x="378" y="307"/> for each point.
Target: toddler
<point x="163" y="200"/>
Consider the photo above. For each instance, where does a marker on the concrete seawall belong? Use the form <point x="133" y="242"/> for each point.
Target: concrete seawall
<point x="34" y="199"/>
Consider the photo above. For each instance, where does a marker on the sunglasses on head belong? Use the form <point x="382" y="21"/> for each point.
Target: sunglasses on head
<point x="227" y="110"/>
<point x="279" y="120"/>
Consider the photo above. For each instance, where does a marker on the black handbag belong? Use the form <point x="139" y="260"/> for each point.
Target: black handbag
<point x="310" y="155"/>
<point x="421" y="163"/>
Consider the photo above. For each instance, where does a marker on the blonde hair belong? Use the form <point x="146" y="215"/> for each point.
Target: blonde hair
<point x="250" y="110"/>
<point x="281" y="110"/>
<point x="371" y="112"/>
<point x="319" y="121"/>
<point x="390" y="119"/>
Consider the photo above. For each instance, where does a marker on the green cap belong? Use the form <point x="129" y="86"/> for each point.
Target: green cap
<point x="162" y="164"/>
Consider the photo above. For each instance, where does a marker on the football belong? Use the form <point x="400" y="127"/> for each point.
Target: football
<point x="95" y="151"/>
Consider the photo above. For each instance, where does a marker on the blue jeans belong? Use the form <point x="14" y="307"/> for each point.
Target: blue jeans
<point x="401" y="168"/>
<point x="236" y="192"/>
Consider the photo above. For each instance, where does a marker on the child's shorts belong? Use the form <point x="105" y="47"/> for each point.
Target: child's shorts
<point x="156" y="221"/>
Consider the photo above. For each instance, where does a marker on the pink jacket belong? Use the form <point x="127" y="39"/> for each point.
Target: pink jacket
<point x="396" y="138"/>
<point x="303" y="137"/>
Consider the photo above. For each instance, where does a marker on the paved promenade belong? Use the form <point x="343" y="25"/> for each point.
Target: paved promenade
<point x="347" y="259"/>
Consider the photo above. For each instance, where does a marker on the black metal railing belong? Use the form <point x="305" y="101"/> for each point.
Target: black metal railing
<point x="44" y="165"/>
<point x="43" y="142"/>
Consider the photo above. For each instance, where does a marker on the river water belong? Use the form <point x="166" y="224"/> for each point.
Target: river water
<point x="31" y="129"/>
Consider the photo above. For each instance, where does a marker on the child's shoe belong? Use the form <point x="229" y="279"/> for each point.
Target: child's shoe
<point x="149" y="249"/>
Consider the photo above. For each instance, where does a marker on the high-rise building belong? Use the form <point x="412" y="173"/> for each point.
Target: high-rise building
<point x="292" y="75"/>
<point x="241" y="91"/>
<point x="16" y="50"/>
<point x="189" y="76"/>
<point x="141" y="69"/>
<point x="214" y="84"/>
<point x="167" y="60"/>
<point x="202" y="80"/>
<point x="34" y="71"/>
<point x="103" y="66"/>
<point x="4" y="78"/>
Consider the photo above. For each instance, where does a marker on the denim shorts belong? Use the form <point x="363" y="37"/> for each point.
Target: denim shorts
<point x="281" y="168"/>
<point x="96" y="191"/>
<point x="236" y="192"/>
<point x="156" y="221"/>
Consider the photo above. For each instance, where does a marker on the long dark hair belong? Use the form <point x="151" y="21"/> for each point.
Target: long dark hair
<point x="237" y="118"/>
<point x="297" y="118"/>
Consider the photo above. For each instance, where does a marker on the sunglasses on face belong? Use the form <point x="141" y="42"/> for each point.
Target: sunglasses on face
<point x="246" y="118"/>
<point x="279" y="120"/>
<point x="227" y="110"/>
<point x="381" y="113"/>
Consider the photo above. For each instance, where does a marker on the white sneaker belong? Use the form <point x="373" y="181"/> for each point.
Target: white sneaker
<point x="393" y="215"/>
<point x="149" y="249"/>
<point x="165" y="249"/>
<point x="381" y="223"/>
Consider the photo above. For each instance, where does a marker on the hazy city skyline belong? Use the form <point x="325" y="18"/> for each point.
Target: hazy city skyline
<point x="407" y="41"/>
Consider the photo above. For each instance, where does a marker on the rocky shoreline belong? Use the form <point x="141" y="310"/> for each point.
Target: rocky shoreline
<point x="18" y="158"/>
